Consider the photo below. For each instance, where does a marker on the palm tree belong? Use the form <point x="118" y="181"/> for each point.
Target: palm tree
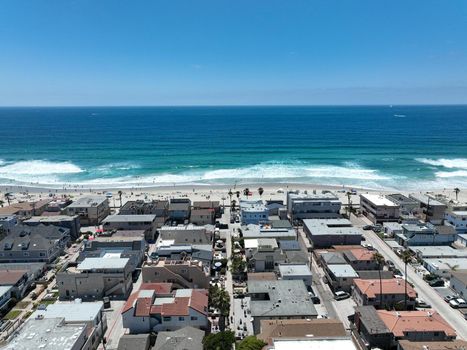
<point x="456" y="191"/>
<point x="230" y="194"/>
<point x="232" y="205"/>
<point x="246" y="192"/>
<point x="349" y="204"/>
<point x="379" y="259"/>
<point x="120" y="193"/>
<point x="1" y="203"/>
<point x="260" y="191"/>
<point x="237" y="193"/>
<point x="406" y="258"/>
<point x="8" y="197"/>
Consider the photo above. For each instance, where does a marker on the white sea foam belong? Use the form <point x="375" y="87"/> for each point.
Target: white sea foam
<point x="456" y="163"/>
<point x="39" y="167"/>
<point x="449" y="174"/>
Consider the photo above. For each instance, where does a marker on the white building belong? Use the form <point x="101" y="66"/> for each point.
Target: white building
<point x="444" y="267"/>
<point x="253" y="212"/>
<point x="323" y="205"/>
<point x="458" y="219"/>
<point x="379" y="208"/>
<point x="91" y="209"/>
<point x="296" y="272"/>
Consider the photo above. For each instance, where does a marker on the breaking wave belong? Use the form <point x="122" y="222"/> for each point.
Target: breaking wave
<point x="457" y="163"/>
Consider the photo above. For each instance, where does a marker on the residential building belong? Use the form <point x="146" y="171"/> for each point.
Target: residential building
<point x="383" y="329"/>
<point x="311" y="343"/>
<point x="328" y="232"/>
<point x="202" y="216"/>
<point x="340" y="277"/>
<point x="330" y="258"/>
<point x="424" y="234"/>
<point x="78" y="313"/>
<point x="215" y="205"/>
<point x="458" y="282"/>
<point x="440" y="251"/>
<point x="270" y="230"/>
<point x="271" y="300"/>
<point x="392" y="228"/>
<point x="201" y="252"/>
<point x="179" y="209"/>
<point x="146" y="222"/>
<point x="300" y="329"/>
<point x="445" y="266"/>
<point x="323" y="205"/>
<point x="462" y="239"/>
<point x="33" y="244"/>
<point x="159" y="208"/>
<point x="361" y="259"/>
<point x="458" y="219"/>
<point x="5" y="297"/>
<point x="181" y="339"/>
<point x="379" y="208"/>
<point x="7" y="222"/>
<point x="50" y="334"/>
<point x="253" y="212"/>
<point x="95" y="278"/>
<point x="275" y="206"/>
<point x="406" y="204"/>
<point x="155" y="308"/>
<point x="186" y="234"/>
<point x="456" y="344"/>
<point x="368" y="292"/>
<point x="433" y="209"/>
<point x="375" y="274"/>
<point x="70" y="222"/>
<point x="90" y="209"/>
<point x="296" y="272"/>
<point x="16" y="281"/>
<point x="25" y="210"/>
<point x="134" y="342"/>
<point x="184" y="273"/>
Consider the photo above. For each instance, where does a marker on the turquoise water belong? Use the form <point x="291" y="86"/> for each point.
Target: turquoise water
<point x="383" y="146"/>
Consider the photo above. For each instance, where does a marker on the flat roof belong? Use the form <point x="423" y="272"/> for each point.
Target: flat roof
<point x="51" y="218"/>
<point x="87" y="201"/>
<point x="129" y="218"/>
<point x="342" y="270"/>
<point x="331" y="227"/>
<point x="427" y="251"/>
<point x="315" y="344"/>
<point x="294" y="270"/>
<point x="102" y="263"/>
<point x="4" y="290"/>
<point x="424" y="199"/>
<point x="447" y="263"/>
<point x="72" y="311"/>
<point x="379" y="200"/>
<point x="312" y="196"/>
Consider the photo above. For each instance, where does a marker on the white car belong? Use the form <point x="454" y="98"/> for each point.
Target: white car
<point x="457" y="303"/>
<point x="341" y="295"/>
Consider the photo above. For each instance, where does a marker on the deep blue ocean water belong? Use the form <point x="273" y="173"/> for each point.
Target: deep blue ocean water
<point x="400" y="147"/>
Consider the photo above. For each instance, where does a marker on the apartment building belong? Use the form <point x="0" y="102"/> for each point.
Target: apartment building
<point x="379" y="208"/>
<point x="144" y="222"/>
<point x="70" y="222"/>
<point x="324" y="205"/>
<point x="253" y="212"/>
<point x="90" y="209"/>
<point x="324" y="233"/>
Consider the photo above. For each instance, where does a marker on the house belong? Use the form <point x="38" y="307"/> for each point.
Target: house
<point x="134" y="342"/>
<point x="90" y="209"/>
<point x="202" y="216"/>
<point x="215" y="205"/>
<point x="458" y="282"/>
<point x="184" y="273"/>
<point x="424" y="234"/>
<point x="433" y="209"/>
<point x="379" y="208"/>
<point x="313" y="343"/>
<point x="392" y="228"/>
<point x="296" y="272"/>
<point x="25" y="210"/>
<point x="331" y="258"/>
<point x="323" y="205"/>
<point x="458" y="219"/>
<point x="60" y="335"/>
<point x="33" y="244"/>
<point x="181" y="339"/>
<point x="269" y="230"/>
<point x="281" y="299"/>
<point x="145" y="222"/>
<point x="275" y="206"/>
<point x="324" y="233"/>
<point x="368" y="292"/>
<point x="301" y="329"/>
<point x="462" y="239"/>
<point x="179" y="209"/>
<point x="95" y="278"/>
<point x="186" y="234"/>
<point x="78" y="313"/>
<point x="166" y="249"/>
<point x="159" y="208"/>
<point x="456" y="344"/>
<point x="340" y="277"/>
<point x="7" y="222"/>
<point x="16" y="280"/>
<point x="5" y="297"/>
<point x="374" y="274"/>
<point x="155" y="308"/>
<point x="70" y="222"/>
<point x="361" y="259"/>
<point x="253" y="212"/>
<point x="406" y="204"/>
<point x="383" y="329"/>
<point x="441" y="251"/>
<point x="445" y="266"/>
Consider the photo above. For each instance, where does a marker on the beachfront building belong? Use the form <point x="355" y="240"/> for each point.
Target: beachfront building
<point x="253" y="212"/>
<point x="186" y="273"/>
<point x="383" y="329"/>
<point x="280" y="299"/>
<point x="33" y="244"/>
<point x="324" y="233"/>
<point x="90" y="209"/>
<point x="458" y="282"/>
<point x="186" y="234"/>
<point x="458" y="219"/>
<point x="70" y="222"/>
<point x="433" y="209"/>
<point x="25" y="210"/>
<point x="340" y="277"/>
<point x="78" y="313"/>
<point x="214" y="205"/>
<point x="324" y="205"/>
<point x="202" y="216"/>
<point x="179" y="209"/>
<point x="139" y="207"/>
<point x="424" y="234"/>
<point x="95" y="278"/>
<point x="368" y="292"/>
<point x="155" y="308"/>
<point x="406" y="204"/>
<point x="379" y="208"/>
<point x="145" y="222"/>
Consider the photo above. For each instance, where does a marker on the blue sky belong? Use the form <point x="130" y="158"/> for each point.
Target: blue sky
<point x="232" y="52"/>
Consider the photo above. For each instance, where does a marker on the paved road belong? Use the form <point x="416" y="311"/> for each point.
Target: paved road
<point x="424" y="291"/>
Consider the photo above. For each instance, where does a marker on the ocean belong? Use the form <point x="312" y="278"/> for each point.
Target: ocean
<point x="387" y="147"/>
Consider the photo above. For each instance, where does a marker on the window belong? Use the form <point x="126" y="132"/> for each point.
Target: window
<point x="167" y="318"/>
<point x="194" y="318"/>
<point x="181" y="318"/>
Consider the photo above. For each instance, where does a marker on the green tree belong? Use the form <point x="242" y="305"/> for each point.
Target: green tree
<point x="232" y="205"/>
<point x="349" y="203"/>
<point x="251" y="343"/>
<point x="246" y="192"/>
<point x="406" y="258"/>
<point x="238" y="265"/>
<point x="219" y="341"/>
<point x="230" y="194"/>
<point x="260" y="191"/>
<point x="219" y="298"/>
<point x="379" y="259"/>
<point x="456" y="191"/>
<point x="8" y="197"/>
<point x="2" y="203"/>
<point x="237" y="193"/>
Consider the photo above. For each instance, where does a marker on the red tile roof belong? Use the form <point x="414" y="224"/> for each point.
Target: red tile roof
<point x="199" y="300"/>
<point x="362" y="254"/>
<point x="371" y="288"/>
<point x="143" y="307"/>
<point x="158" y="288"/>
<point x="415" y="321"/>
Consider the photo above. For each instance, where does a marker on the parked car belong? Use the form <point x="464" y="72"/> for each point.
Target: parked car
<point x="448" y="298"/>
<point x="423" y="304"/>
<point x="390" y="264"/>
<point x="315" y="300"/>
<point x="436" y="283"/>
<point x="457" y="303"/>
<point x="367" y="227"/>
<point x="341" y="295"/>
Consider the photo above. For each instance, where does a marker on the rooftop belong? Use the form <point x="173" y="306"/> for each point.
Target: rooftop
<point x="461" y="275"/>
<point x="87" y="202"/>
<point x="371" y="287"/>
<point x="400" y="199"/>
<point x="456" y="344"/>
<point x="312" y="196"/>
<point x="361" y="254"/>
<point x="261" y="276"/>
<point x="315" y="344"/>
<point x="447" y="263"/>
<point x="23" y="206"/>
<point x="425" y="200"/>
<point x="267" y="231"/>
<point x="342" y="270"/>
<point x="52" y="218"/>
<point x="72" y="311"/>
<point x="294" y="270"/>
<point x="379" y="200"/>
<point x="102" y="263"/>
<point x="181" y="339"/>
<point x="129" y="218"/>
<point x="330" y="227"/>
<point x="134" y="342"/>
<point x="252" y="206"/>
<point x="11" y="277"/>
<point x="427" y="251"/>
<point x="333" y="258"/>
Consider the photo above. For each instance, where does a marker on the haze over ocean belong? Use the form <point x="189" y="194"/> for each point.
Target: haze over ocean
<point x="400" y="147"/>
